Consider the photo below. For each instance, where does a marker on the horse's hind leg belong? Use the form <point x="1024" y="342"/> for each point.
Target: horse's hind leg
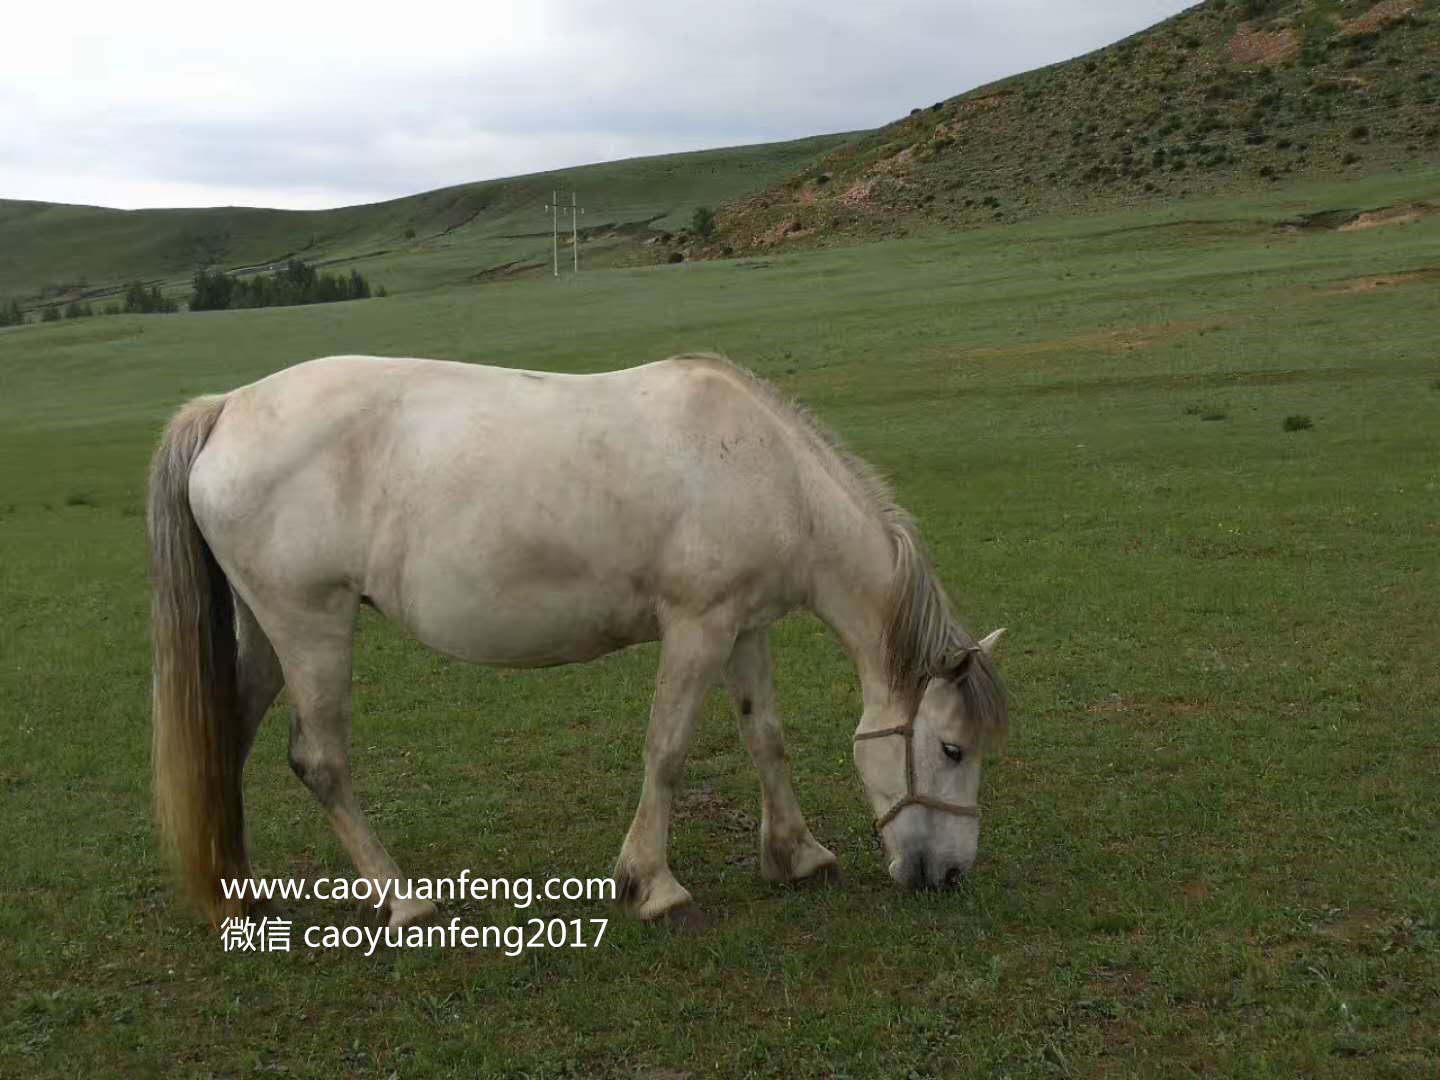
<point x="692" y="658"/>
<point x="315" y="652"/>
<point x="788" y="851"/>
<point x="258" y="672"/>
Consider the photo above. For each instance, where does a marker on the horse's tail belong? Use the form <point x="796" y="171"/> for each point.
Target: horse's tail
<point x="196" y="748"/>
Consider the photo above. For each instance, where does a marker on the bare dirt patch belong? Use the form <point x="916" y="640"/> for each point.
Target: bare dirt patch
<point x="1391" y="215"/>
<point x="1386" y="11"/>
<point x="1370" y="284"/>
<point x="1265" y="47"/>
<point x="981" y="104"/>
<point x="713" y="808"/>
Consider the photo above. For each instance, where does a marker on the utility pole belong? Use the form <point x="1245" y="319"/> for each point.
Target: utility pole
<point x="554" y="209"/>
<point x="574" y="210"/>
<point x="575" y="213"/>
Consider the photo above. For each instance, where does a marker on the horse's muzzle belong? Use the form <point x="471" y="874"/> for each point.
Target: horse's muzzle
<point x="920" y="873"/>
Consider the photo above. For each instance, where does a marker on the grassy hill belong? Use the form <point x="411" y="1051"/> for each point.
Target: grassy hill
<point x="1230" y="95"/>
<point x="51" y="252"/>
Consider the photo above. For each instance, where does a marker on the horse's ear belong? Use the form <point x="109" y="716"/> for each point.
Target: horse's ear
<point x="990" y="640"/>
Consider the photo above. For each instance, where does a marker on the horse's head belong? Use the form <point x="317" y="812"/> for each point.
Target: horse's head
<point x="923" y="778"/>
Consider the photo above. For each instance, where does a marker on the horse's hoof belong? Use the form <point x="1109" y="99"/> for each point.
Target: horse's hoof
<point x="411" y="913"/>
<point x="808" y="860"/>
<point x="650" y="897"/>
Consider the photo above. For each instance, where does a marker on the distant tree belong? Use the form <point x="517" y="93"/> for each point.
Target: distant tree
<point x="703" y="222"/>
<point x="77" y="310"/>
<point x="10" y="314"/>
<point x="211" y="290"/>
<point x="143" y="301"/>
<point x="410" y="232"/>
<point x="50" y="314"/>
<point x="295" y="283"/>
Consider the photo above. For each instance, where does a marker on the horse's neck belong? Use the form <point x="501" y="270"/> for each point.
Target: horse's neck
<point x="852" y="594"/>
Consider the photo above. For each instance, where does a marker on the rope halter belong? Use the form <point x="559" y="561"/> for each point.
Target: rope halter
<point x="912" y="797"/>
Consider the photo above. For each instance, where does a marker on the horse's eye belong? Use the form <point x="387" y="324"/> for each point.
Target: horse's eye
<point x="953" y="752"/>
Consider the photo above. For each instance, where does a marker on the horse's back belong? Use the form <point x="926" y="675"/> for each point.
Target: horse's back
<point x="462" y="498"/>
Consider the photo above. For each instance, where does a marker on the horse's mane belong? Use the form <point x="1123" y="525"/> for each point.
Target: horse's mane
<point x="922" y="639"/>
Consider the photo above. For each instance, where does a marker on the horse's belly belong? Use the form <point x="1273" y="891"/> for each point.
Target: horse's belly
<point x="532" y="627"/>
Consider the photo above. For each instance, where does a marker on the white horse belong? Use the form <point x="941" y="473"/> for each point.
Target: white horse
<point x="522" y="519"/>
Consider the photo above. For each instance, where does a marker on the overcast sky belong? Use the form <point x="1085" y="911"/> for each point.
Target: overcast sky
<point x="306" y="105"/>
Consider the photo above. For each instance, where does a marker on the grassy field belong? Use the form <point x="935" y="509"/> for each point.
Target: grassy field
<point x="1213" y="847"/>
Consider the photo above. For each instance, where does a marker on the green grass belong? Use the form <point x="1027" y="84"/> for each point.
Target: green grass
<point x="1212" y="848"/>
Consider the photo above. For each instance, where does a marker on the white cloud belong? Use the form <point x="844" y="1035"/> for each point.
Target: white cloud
<point x="304" y="105"/>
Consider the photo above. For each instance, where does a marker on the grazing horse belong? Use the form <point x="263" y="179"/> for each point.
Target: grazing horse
<point x="525" y="519"/>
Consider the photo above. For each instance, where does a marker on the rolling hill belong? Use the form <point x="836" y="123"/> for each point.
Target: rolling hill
<point x="52" y="252"/>
<point x="1228" y="95"/>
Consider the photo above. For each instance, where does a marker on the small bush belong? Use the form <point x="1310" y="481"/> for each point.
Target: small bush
<point x="702" y="222"/>
<point x="79" y="498"/>
<point x="410" y="232"/>
<point x="50" y="314"/>
<point x="1351" y="158"/>
<point x="676" y="257"/>
<point x="10" y="314"/>
<point x="1214" y="414"/>
<point x="143" y="301"/>
<point x="1298" y="422"/>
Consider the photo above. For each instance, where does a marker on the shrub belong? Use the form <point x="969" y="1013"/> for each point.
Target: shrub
<point x="50" y="314"/>
<point x="10" y="314"/>
<point x="297" y="283"/>
<point x="410" y="232"/>
<point x="1214" y="414"/>
<point x="676" y="257"/>
<point x="1298" y="422"/>
<point x="143" y="301"/>
<point x="211" y="291"/>
<point x="77" y="310"/>
<point x="702" y="222"/>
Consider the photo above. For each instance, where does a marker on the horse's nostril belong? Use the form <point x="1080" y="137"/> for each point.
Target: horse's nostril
<point x="953" y="877"/>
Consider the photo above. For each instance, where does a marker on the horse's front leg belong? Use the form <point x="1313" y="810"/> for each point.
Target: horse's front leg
<point x="692" y="659"/>
<point x="788" y="850"/>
